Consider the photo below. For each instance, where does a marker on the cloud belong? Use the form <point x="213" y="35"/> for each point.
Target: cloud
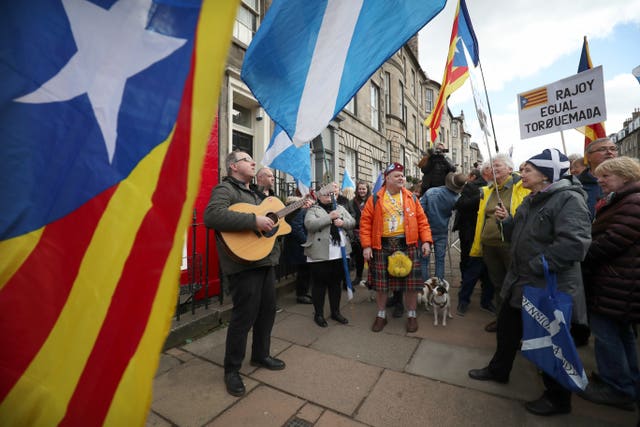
<point x="524" y="45"/>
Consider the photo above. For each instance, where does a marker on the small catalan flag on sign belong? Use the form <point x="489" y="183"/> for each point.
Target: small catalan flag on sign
<point x="533" y="98"/>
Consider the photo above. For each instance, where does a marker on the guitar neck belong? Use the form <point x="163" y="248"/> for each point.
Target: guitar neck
<point x="290" y="208"/>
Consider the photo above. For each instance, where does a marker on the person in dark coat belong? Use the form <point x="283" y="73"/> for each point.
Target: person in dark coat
<point x="596" y="152"/>
<point x="252" y="284"/>
<point x="612" y="282"/>
<point x="355" y="207"/>
<point x="293" y="253"/>
<point x="472" y="269"/>
<point x="435" y="166"/>
<point x="552" y="221"/>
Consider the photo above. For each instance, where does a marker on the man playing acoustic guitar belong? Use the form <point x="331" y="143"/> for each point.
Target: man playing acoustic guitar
<point x="251" y="283"/>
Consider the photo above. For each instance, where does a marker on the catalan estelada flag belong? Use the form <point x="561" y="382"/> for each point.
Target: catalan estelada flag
<point x="596" y="130"/>
<point x="533" y="98"/>
<point x="456" y="70"/>
<point x="105" y="112"/>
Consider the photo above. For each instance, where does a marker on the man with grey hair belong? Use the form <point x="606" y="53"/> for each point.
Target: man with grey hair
<point x="596" y="152"/>
<point x="251" y="284"/>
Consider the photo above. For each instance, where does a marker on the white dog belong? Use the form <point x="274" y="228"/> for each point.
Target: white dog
<point x="439" y="299"/>
<point x="424" y="296"/>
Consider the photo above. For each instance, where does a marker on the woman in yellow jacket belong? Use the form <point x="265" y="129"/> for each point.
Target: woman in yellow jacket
<point x="489" y="242"/>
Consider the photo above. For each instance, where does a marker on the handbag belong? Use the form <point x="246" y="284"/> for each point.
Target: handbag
<point x="546" y="336"/>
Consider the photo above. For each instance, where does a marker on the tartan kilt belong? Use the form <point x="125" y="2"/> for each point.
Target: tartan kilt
<point x="380" y="279"/>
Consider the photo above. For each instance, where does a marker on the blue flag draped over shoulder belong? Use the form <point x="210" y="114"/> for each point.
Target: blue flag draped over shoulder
<point x="309" y="58"/>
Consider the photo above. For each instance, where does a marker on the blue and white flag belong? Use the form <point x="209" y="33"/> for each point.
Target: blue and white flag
<point x="636" y="73"/>
<point x="378" y="184"/>
<point x="281" y="154"/>
<point x="347" y="182"/>
<point x="309" y="58"/>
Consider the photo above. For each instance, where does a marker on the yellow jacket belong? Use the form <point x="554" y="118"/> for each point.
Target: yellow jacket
<point x="518" y="193"/>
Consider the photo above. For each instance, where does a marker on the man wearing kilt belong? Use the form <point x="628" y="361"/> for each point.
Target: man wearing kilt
<point x="393" y="220"/>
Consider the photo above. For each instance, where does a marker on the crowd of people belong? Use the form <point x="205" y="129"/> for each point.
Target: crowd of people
<point x="581" y="215"/>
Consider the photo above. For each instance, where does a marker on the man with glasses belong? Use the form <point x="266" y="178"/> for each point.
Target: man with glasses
<point x="596" y="152"/>
<point x="251" y="284"/>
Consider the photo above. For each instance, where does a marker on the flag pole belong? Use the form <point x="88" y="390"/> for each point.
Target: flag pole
<point x="564" y="147"/>
<point x="486" y="94"/>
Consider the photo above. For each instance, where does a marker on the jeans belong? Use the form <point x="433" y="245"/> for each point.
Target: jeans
<point x="473" y="269"/>
<point x="440" y="249"/>
<point x="616" y="354"/>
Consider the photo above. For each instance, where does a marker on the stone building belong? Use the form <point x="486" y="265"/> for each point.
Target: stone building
<point x="628" y="138"/>
<point x="384" y="122"/>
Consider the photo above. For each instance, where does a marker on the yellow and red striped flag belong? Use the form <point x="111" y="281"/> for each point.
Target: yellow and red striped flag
<point x="596" y="130"/>
<point x="105" y="115"/>
<point x="456" y="70"/>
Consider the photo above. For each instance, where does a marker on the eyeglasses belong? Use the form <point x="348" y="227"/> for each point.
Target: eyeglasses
<point x="244" y="159"/>
<point x="612" y="149"/>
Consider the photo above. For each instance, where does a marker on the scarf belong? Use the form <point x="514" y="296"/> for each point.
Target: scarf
<point x="335" y="234"/>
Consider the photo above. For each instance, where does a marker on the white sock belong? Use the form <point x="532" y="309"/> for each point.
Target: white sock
<point x="382" y="313"/>
<point x="411" y="313"/>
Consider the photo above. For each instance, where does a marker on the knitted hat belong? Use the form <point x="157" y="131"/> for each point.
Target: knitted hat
<point x="551" y="163"/>
<point x="392" y="168"/>
<point x="454" y="182"/>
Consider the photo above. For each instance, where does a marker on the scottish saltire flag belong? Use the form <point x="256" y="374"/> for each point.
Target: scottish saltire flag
<point x="456" y="69"/>
<point x="309" y="58"/>
<point x="281" y="154"/>
<point x="105" y="111"/>
<point x="347" y="182"/>
<point x="596" y="130"/>
<point x="636" y="73"/>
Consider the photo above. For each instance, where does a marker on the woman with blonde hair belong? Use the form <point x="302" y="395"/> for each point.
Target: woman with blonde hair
<point x="612" y="273"/>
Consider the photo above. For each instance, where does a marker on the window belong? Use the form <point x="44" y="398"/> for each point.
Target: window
<point x="351" y="162"/>
<point x="454" y="156"/>
<point x="389" y="151"/>
<point x="429" y="96"/>
<point x="413" y="84"/>
<point x="376" y="168"/>
<point x="375" y="99"/>
<point x="401" y="101"/>
<point x="351" y="105"/>
<point x="454" y="130"/>
<point x="246" y="21"/>
<point x="415" y="128"/>
<point x="242" y="128"/>
<point x="387" y="92"/>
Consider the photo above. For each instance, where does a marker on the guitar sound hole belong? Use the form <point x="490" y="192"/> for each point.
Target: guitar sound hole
<point x="274" y="230"/>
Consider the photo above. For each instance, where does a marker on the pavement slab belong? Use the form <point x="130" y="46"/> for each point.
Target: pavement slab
<point x="263" y="406"/>
<point x="326" y="380"/>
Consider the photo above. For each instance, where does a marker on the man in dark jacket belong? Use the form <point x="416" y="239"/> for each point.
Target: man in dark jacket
<point x="435" y="167"/>
<point x="252" y="284"/>
<point x="596" y="152"/>
<point x="471" y="268"/>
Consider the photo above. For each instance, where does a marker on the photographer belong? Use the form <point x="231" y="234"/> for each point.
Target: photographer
<point x="435" y="166"/>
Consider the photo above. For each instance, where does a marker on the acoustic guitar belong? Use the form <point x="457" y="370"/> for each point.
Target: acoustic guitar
<point x="252" y="245"/>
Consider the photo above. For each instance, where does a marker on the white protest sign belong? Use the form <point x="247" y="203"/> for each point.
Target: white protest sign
<point x="566" y="104"/>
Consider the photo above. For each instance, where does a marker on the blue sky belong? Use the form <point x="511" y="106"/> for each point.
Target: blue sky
<point x="524" y="45"/>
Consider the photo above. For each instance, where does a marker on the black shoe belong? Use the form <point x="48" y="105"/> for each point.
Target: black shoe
<point x="320" y="321"/>
<point x="235" y="386"/>
<point x="270" y="363"/>
<point x="600" y="392"/>
<point x="462" y="309"/>
<point x="398" y="311"/>
<point x="489" y="308"/>
<point x="278" y="309"/>
<point x="546" y="407"/>
<point x="339" y="318"/>
<point x="485" y="374"/>
<point x="491" y="327"/>
<point x="304" y="299"/>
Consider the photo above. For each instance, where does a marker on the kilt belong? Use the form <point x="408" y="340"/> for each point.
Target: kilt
<point x="380" y="279"/>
